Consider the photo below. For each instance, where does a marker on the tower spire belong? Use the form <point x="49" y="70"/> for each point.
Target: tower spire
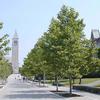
<point x="15" y="47"/>
<point x="15" y="34"/>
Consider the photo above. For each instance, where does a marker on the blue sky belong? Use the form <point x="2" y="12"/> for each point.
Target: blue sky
<point x="30" y="18"/>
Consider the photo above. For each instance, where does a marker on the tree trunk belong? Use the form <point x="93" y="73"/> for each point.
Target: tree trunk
<point x="51" y="80"/>
<point x="70" y="83"/>
<point x="44" y="79"/>
<point x="39" y="81"/>
<point x="57" y="83"/>
<point x="80" y="80"/>
<point x="55" y="78"/>
<point x="73" y="81"/>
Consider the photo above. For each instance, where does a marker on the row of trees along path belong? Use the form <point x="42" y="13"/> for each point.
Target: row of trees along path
<point x="5" y="66"/>
<point x="62" y="51"/>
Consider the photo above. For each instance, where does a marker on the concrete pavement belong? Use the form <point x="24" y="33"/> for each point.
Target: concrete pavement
<point x="16" y="89"/>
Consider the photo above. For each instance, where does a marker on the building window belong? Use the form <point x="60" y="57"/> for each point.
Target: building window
<point x="15" y="42"/>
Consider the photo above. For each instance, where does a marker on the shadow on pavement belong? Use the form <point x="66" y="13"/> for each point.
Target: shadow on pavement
<point x="31" y="91"/>
<point x="28" y="96"/>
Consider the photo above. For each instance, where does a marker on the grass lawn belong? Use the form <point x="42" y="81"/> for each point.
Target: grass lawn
<point x="98" y="85"/>
<point x="84" y="81"/>
<point x="87" y="80"/>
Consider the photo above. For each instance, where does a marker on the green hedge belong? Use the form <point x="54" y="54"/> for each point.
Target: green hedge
<point x="88" y="89"/>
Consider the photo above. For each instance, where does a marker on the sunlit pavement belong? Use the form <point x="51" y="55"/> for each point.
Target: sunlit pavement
<point x="16" y="89"/>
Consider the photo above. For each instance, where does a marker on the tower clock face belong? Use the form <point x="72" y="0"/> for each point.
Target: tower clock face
<point x="15" y="43"/>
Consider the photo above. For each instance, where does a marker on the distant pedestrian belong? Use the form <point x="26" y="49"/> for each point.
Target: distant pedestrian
<point x="23" y="79"/>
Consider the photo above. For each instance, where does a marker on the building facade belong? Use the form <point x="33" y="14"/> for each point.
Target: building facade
<point x="95" y="36"/>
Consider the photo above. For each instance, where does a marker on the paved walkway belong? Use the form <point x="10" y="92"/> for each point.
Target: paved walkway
<point x="16" y="89"/>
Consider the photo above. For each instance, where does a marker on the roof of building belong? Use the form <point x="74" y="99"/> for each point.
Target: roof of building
<point x="95" y="34"/>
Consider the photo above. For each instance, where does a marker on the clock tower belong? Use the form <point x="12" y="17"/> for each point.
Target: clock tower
<point x="15" y="62"/>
